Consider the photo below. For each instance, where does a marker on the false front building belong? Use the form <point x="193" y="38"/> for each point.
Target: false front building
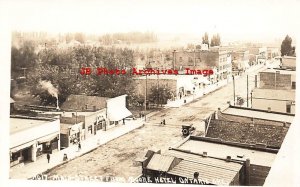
<point x="32" y="137"/>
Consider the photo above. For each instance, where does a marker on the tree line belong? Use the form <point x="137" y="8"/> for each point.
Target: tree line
<point x="130" y="37"/>
<point x="215" y="40"/>
<point x="61" y="67"/>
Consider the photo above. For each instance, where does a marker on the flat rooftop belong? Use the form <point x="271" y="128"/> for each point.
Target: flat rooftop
<point x="259" y="114"/>
<point x="290" y="57"/>
<point x="284" y="95"/>
<point x="222" y="151"/>
<point x="20" y="124"/>
<point x="282" y="71"/>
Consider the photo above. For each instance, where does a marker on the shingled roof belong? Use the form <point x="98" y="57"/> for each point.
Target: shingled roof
<point x="242" y="130"/>
<point x="80" y="102"/>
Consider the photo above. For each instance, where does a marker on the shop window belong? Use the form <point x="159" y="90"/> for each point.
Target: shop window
<point x="39" y="150"/>
<point x="100" y="124"/>
<point x="54" y="145"/>
<point x="90" y="129"/>
<point x="293" y="85"/>
<point x="14" y="156"/>
<point x="46" y="147"/>
<point x="288" y="108"/>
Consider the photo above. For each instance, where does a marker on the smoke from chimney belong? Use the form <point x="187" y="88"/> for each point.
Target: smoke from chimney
<point x="46" y="85"/>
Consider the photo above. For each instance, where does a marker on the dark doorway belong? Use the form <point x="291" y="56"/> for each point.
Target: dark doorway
<point x="26" y="154"/>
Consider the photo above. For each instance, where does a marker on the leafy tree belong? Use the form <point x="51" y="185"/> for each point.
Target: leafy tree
<point x="198" y="47"/>
<point x="205" y="39"/>
<point x="23" y="57"/>
<point x="286" y="47"/>
<point x="114" y="85"/>
<point x="57" y="66"/>
<point x="215" y="41"/>
<point x="159" y="95"/>
<point x="79" y="37"/>
<point x="190" y="46"/>
<point x="106" y="39"/>
<point x="68" y="38"/>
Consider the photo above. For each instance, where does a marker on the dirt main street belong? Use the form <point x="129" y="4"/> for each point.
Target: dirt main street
<point x="117" y="158"/>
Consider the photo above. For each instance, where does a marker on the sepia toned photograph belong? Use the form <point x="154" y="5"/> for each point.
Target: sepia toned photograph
<point x="193" y="92"/>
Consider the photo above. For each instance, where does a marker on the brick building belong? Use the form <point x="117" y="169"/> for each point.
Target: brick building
<point x="248" y="126"/>
<point x="260" y="131"/>
<point x="277" y="79"/>
<point x="240" y="60"/>
<point x="276" y="91"/>
<point x="214" y="58"/>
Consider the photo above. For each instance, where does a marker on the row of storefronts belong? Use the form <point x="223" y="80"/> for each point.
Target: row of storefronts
<point x="30" y="138"/>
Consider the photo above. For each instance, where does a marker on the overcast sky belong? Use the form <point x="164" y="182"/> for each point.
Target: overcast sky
<point x="238" y="18"/>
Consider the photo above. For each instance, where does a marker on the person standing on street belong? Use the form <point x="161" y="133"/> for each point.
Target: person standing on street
<point x="48" y="157"/>
<point x="79" y="146"/>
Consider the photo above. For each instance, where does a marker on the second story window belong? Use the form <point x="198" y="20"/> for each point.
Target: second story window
<point x="180" y="59"/>
<point x="294" y="85"/>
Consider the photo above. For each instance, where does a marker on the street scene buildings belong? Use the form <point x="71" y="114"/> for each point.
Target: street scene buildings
<point x="205" y="110"/>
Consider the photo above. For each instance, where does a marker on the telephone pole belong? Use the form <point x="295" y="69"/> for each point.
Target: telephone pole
<point x="233" y="90"/>
<point x="247" y="92"/>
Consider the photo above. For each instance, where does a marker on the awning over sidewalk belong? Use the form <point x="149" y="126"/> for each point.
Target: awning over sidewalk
<point x="204" y="80"/>
<point x="118" y="114"/>
<point x="76" y="127"/>
<point x="20" y="147"/>
<point x="47" y="138"/>
<point x="246" y="65"/>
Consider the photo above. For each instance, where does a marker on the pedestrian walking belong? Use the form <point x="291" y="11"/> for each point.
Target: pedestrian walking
<point x="79" y="146"/>
<point x="65" y="158"/>
<point x="48" y="157"/>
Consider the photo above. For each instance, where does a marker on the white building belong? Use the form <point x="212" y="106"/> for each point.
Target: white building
<point x="32" y="137"/>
